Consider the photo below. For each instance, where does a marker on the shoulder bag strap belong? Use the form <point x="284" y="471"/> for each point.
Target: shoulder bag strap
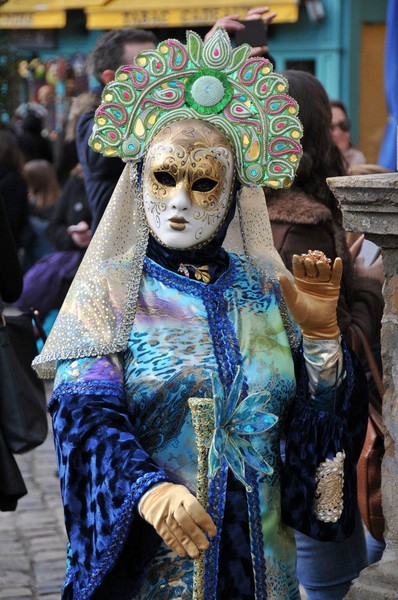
<point x="375" y="409"/>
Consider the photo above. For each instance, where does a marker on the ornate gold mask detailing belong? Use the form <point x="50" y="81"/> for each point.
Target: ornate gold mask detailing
<point x="329" y="477"/>
<point x="188" y="181"/>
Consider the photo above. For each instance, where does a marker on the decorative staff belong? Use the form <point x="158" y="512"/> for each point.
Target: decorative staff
<point x="202" y="410"/>
<point x="222" y="425"/>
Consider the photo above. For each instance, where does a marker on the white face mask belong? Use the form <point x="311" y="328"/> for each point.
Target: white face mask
<point x="187" y="183"/>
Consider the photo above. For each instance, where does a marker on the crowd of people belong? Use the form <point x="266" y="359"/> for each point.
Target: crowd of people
<point x="164" y="308"/>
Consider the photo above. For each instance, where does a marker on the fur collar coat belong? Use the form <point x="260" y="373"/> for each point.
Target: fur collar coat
<point x="300" y="223"/>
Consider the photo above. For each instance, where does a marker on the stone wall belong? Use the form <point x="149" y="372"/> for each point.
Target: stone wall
<point x="370" y="205"/>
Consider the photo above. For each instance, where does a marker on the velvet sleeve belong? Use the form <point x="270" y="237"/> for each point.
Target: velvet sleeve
<point x="312" y="437"/>
<point x="103" y="473"/>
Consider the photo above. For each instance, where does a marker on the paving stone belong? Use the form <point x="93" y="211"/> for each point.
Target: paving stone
<point x="18" y="578"/>
<point x="6" y="522"/>
<point x="49" y="555"/>
<point x="20" y="593"/>
<point x="45" y="542"/>
<point x="14" y="563"/>
<point x="35" y="519"/>
<point x="50" y="588"/>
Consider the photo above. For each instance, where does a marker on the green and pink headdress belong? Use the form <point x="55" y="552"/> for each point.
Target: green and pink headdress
<point x="210" y="81"/>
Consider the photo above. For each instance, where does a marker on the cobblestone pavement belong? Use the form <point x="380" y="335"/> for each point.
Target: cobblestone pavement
<point x="32" y="538"/>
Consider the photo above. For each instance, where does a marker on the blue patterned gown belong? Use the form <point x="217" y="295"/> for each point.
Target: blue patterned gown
<point x="122" y="424"/>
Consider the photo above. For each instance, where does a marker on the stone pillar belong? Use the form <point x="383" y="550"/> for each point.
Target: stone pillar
<point x="370" y="205"/>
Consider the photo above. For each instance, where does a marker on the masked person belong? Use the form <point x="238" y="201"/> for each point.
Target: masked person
<point x="163" y="328"/>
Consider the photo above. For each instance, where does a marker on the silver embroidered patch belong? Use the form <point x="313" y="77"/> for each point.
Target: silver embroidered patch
<point x="329" y="478"/>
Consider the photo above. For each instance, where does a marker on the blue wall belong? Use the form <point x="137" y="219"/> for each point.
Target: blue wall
<point x="320" y="42"/>
<point x="333" y="44"/>
<point x="73" y="39"/>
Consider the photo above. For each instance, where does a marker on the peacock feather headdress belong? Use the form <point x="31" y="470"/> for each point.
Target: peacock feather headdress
<point x="204" y="80"/>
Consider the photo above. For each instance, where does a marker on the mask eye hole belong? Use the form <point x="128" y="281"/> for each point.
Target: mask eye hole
<point x="204" y="184"/>
<point x="165" y="178"/>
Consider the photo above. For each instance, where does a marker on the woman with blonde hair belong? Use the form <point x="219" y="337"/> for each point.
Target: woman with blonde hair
<point x="43" y="190"/>
<point x="43" y="187"/>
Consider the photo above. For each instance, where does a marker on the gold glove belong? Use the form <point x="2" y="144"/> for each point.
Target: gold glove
<point x="312" y="299"/>
<point x="178" y="518"/>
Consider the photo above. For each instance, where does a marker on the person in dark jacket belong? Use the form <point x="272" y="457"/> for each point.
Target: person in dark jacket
<point x="13" y="187"/>
<point x="71" y="215"/>
<point x="113" y="49"/>
<point x="65" y="156"/>
<point x="47" y="281"/>
<point x="43" y="190"/>
<point x="30" y="124"/>
<point x="308" y="216"/>
<point x="70" y="225"/>
<point x="11" y="279"/>
<point x="12" y="486"/>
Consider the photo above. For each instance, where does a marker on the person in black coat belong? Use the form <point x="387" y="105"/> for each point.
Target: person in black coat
<point x="12" y="486"/>
<point x="68" y="231"/>
<point x="71" y="210"/>
<point x="47" y="282"/>
<point x="113" y="49"/>
<point x="101" y="174"/>
<point x="33" y="144"/>
<point x="13" y="187"/>
<point x="11" y="278"/>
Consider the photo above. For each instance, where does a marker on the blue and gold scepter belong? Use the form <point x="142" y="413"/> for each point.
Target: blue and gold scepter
<point x="223" y="427"/>
<point x="202" y="411"/>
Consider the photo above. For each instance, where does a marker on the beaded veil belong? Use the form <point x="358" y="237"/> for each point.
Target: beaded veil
<point x="209" y="81"/>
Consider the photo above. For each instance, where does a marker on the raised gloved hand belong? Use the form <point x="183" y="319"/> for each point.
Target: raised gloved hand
<point x="312" y="299"/>
<point x="178" y="518"/>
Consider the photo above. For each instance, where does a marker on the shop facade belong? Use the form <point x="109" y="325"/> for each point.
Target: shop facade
<point x="339" y="41"/>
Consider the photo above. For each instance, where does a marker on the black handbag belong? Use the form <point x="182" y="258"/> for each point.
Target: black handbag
<point x="23" y="407"/>
<point x="12" y="485"/>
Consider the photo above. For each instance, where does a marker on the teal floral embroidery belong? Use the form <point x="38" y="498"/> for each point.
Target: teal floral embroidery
<point x="235" y="422"/>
